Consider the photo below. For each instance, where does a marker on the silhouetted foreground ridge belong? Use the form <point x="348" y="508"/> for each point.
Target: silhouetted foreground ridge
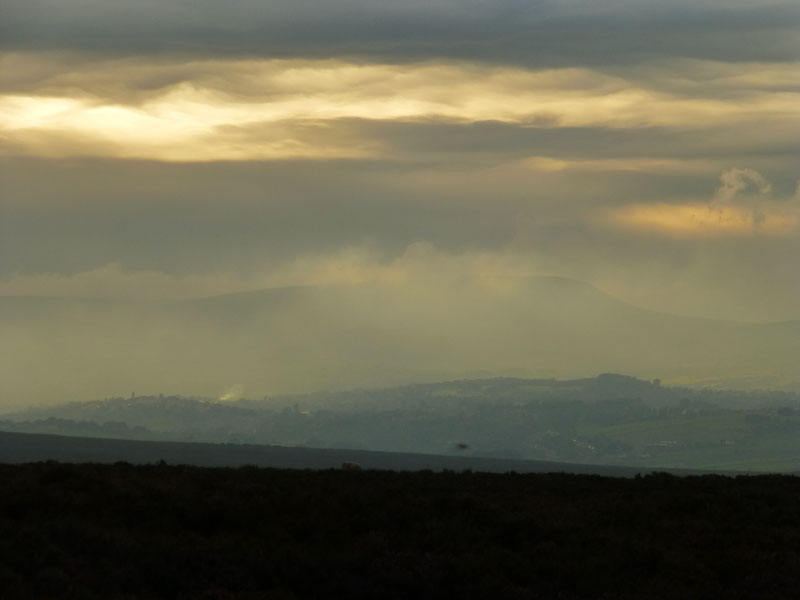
<point x="158" y="531"/>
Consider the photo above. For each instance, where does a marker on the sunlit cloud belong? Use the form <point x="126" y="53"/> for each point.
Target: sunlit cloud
<point x="743" y="205"/>
<point x="252" y="110"/>
<point x="634" y="164"/>
<point x="701" y="219"/>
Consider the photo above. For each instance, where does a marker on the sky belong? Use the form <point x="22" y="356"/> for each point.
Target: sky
<point x="185" y="148"/>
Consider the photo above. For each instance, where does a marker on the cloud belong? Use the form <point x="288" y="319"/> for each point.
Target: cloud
<point x="743" y="204"/>
<point x="736" y="182"/>
<point x="286" y="109"/>
<point x="194" y="147"/>
<point x="420" y="263"/>
<point x="699" y="219"/>
<point x="546" y="32"/>
<point x="720" y="275"/>
<point x="744" y="186"/>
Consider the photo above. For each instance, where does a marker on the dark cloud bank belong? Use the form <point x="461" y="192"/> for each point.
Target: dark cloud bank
<point x="543" y="33"/>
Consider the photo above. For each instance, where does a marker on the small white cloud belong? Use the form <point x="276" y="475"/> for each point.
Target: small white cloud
<point x="738" y="183"/>
<point x="748" y="189"/>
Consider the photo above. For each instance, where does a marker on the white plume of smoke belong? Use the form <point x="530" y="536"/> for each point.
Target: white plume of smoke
<point x="234" y="392"/>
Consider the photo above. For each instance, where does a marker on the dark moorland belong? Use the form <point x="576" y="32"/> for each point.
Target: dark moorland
<point x="161" y="531"/>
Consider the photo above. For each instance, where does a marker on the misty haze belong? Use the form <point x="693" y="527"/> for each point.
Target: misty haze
<point x="305" y="339"/>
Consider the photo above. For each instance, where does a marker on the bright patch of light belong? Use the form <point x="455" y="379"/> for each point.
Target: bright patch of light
<point x="702" y="219"/>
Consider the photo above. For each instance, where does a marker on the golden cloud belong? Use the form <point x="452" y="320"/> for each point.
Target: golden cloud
<point x="744" y="204"/>
<point x="549" y="164"/>
<point x="703" y="220"/>
<point x="261" y="109"/>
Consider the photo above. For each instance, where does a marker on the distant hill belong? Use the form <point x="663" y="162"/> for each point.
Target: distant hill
<point x="303" y="339"/>
<point x="606" y="420"/>
<point x="514" y="390"/>
<point x="186" y="414"/>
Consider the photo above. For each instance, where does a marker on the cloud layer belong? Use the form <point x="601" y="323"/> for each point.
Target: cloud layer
<point x="542" y="33"/>
<point x="176" y="150"/>
<point x="279" y="109"/>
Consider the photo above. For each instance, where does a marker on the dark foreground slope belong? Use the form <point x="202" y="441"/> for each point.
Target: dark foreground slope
<point x="119" y="531"/>
<point x="26" y="448"/>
